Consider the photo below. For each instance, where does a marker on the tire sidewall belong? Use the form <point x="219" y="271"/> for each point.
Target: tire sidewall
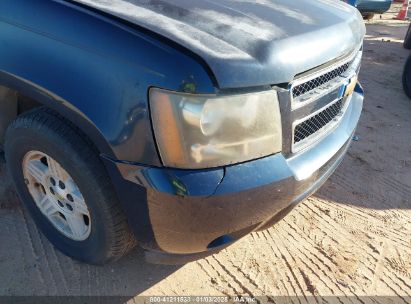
<point x="407" y="39"/>
<point x="23" y="140"/>
<point x="406" y="77"/>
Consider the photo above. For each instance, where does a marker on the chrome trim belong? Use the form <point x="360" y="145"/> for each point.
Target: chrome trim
<point x="318" y="93"/>
<point x="310" y="98"/>
<point x="303" y="165"/>
<point x="310" y="76"/>
<point x="354" y="59"/>
<point x="327" y="128"/>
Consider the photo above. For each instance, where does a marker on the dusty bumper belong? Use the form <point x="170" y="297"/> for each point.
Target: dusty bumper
<point x="183" y="215"/>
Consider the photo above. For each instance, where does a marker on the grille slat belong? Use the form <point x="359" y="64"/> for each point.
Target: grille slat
<point x="315" y="123"/>
<point x="312" y="84"/>
<point x="320" y="88"/>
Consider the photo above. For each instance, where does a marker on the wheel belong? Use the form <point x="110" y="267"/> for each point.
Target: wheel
<point x="406" y="77"/>
<point x="60" y="179"/>
<point x="407" y="39"/>
<point x="368" y="16"/>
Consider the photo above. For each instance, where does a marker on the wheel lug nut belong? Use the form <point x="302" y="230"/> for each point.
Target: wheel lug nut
<point x="52" y="190"/>
<point x="60" y="204"/>
<point x="70" y="197"/>
<point x="69" y="207"/>
<point x="52" y="181"/>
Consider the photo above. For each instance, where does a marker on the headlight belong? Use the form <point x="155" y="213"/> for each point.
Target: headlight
<point x="202" y="131"/>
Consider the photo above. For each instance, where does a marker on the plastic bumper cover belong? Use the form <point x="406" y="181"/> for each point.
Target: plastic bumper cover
<point x="183" y="215"/>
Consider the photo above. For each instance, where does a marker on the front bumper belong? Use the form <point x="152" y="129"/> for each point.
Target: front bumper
<point x="183" y="215"/>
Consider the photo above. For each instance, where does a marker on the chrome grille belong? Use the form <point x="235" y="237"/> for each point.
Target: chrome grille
<point x="312" y="84"/>
<point x="315" y="123"/>
<point x="317" y="102"/>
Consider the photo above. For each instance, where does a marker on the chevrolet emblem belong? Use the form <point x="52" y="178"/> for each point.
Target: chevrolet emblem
<point x="349" y="89"/>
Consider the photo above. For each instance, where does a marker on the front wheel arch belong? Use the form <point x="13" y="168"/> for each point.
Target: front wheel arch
<point x="63" y="108"/>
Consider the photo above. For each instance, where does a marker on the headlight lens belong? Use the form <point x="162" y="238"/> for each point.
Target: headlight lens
<point x="202" y="131"/>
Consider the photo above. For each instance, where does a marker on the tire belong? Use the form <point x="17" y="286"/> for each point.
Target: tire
<point x="406" y="77"/>
<point x="105" y="234"/>
<point x="368" y="16"/>
<point x="407" y="39"/>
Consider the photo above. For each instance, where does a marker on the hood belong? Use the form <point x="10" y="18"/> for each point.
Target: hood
<point x="249" y="42"/>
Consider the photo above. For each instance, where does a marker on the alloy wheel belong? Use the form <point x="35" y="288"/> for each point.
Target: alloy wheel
<point x="57" y="195"/>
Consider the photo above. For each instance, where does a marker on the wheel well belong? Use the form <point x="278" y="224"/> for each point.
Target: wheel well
<point x="18" y="97"/>
<point x="12" y="104"/>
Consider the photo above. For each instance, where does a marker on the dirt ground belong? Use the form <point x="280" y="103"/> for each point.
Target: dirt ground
<point x="351" y="238"/>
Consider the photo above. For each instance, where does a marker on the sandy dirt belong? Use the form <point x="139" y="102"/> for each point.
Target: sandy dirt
<point x="351" y="238"/>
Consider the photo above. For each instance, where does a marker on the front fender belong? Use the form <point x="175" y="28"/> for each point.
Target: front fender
<point x="61" y="106"/>
<point x="95" y="68"/>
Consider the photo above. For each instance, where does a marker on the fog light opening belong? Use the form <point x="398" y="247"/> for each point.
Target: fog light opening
<point x="220" y="241"/>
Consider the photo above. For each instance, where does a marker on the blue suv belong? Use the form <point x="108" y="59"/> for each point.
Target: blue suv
<point x="178" y="125"/>
<point x="370" y="7"/>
